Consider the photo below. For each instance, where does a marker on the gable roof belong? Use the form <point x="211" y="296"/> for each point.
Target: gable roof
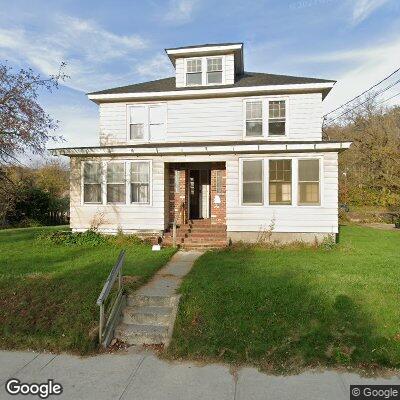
<point x="248" y="79"/>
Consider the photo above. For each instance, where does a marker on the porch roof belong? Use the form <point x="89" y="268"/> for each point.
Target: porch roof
<point x="203" y="148"/>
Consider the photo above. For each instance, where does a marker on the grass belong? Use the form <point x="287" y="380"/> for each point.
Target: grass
<point x="288" y="309"/>
<point x="48" y="292"/>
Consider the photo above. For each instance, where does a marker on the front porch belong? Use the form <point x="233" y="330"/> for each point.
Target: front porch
<point x="196" y="204"/>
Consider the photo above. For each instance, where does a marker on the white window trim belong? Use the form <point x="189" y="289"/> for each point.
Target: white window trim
<point x="204" y="70"/>
<point x="321" y="183"/>
<point x="105" y="169"/>
<point x="265" y="117"/>
<point x="241" y="182"/>
<point x="150" y="203"/>
<point x="146" y="128"/>
<point x="127" y="183"/>
<point x="83" y="203"/>
<point x="295" y="183"/>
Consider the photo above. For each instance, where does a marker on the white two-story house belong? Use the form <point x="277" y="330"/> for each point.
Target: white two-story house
<point x="241" y="151"/>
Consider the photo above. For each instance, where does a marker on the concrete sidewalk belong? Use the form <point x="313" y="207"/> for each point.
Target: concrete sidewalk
<point x="144" y="376"/>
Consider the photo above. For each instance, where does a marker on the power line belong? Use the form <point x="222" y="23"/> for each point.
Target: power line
<point x="390" y="98"/>
<point x="365" y="91"/>
<point x="365" y="101"/>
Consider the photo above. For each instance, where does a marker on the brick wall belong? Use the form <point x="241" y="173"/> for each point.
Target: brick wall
<point x="218" y="197"/>
<point x="176" y="198"/>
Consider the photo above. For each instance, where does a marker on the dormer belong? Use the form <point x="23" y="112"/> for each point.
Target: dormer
<point x="207" y="65"/>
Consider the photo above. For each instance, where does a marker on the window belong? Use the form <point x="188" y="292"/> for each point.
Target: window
<point x="92" y="182"/>
<point x="147" y="122"/>
<point x="277" y="118"/>
<point x="116" y="183"/>
<point x="309" y="182"/>
<point x="252" y="182"/>
<point x="177" y="178"/>
<point x="254" y="118"/>
<point x="157" y="119"/>
<point x="280" y="181"/>
<point x="214" y="70"/>
<point x="138" y="122"/>
<point x="140" y="182"/>
<point x="193" y="72"/>
<point x="218" y="181"/>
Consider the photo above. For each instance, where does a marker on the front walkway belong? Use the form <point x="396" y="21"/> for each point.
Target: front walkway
<point x="144" y="376"/>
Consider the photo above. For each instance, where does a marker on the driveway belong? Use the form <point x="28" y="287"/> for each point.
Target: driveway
<point x="144" y="376"/>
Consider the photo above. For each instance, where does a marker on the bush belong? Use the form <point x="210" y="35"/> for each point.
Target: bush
<point x="88" y="238"/>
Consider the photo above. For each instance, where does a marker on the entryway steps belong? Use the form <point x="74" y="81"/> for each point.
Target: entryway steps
<point x="138" y="334"/>
<point x="198" y="234"/>
<point x="147" y="315"/>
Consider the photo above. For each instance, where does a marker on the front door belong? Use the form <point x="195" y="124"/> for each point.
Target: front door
<point x="199" y="194"/>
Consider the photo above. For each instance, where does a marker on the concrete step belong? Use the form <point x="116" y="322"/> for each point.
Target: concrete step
<point x="147" y="315"/>
<point x="201" y="247"/>
<point x="141" y="334"/>
<point x="152" y="301"/>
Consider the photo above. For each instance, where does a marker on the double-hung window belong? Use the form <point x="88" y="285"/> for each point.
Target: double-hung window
<point x="193" y="72"/>
<point x="277" y="118"/>
<point x="140" y="182"/>
<point x="280" y="181"/>
<point x="116" y="183"/>
<point x="309" y="177"/>
<point x="214" y="70"/>
<point x="252" y="182"/>
<point x="138" y="123"/>
<point x="254" y="124"/>
<point x="92" y="186"/>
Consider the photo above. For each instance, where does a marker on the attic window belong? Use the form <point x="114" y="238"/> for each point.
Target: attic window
<point x="214" y="70"/>
<point x="193" y="72"/>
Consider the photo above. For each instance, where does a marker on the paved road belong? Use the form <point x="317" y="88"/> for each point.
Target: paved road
<point x="143" y="376"/>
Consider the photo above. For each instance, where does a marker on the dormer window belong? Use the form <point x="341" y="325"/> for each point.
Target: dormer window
<point x="214" y="70"/>
<point x="193" y="72"/>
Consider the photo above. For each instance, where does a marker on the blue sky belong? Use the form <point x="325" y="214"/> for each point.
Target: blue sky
<point x="113" y="43"/>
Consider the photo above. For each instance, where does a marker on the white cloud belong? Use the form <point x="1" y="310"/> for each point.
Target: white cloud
<point x="180" y="11"/>
<point x="364" y="67"/>
<point x="87" y="48"/>
<point x="362" y="9"/>
<point x="155" y="68"/>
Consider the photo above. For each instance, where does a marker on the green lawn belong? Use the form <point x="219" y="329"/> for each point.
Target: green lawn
<point x="284" y="310"/>
<point x="48" y="292"/>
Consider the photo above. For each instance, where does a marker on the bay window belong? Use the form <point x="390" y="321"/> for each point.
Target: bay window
<point x="116" y="183"/>
<point x="92" y="186"/>
<point x="280" y="182"/>
<point x="309" y="178"/>
<point x="252" y="182"/>
<point x="140" y="182"/>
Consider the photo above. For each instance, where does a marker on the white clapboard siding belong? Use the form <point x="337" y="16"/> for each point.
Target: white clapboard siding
<point x="114" y="216"/>
<point x="180" y="72"/>
<point x="322" y="218"/>
<point x="214" y="119"/>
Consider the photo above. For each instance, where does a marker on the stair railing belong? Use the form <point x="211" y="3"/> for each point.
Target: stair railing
<point x="107" y="327"/>
<point x="181" y="211"/>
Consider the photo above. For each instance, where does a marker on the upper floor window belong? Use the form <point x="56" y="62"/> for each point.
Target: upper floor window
<point x="214" y="70"/>
<point x="193" y="72"/>
<point x="309" y="182"/>
<point x="280" y="181"/>
<point x="92" y="182"/>
<point x="254" y="125"/>
<point x="147" y="122"/>
<point x="277" y="118"/>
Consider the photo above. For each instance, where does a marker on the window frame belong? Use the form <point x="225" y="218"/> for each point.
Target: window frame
<point x="241" y="160"/>
<point x="83" y="183"/>
<point x="204" y="77"/>
<point x="321" y="185"/>
<point x="146" y="128"/>
<point x="269" y="118"/>
<point x="105" y="171"/>
<point x="222" y="58"/>
<point x="262" y="118"/>
<point x="201" y="72"/>
<point x="293" y="197"/>
<point x="265" y="117"/>
<point x="129" y="199"/>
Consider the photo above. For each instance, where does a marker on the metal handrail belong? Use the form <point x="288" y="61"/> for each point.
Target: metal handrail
<point x="182" y="211"/>
<point x="115" y="273"/>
